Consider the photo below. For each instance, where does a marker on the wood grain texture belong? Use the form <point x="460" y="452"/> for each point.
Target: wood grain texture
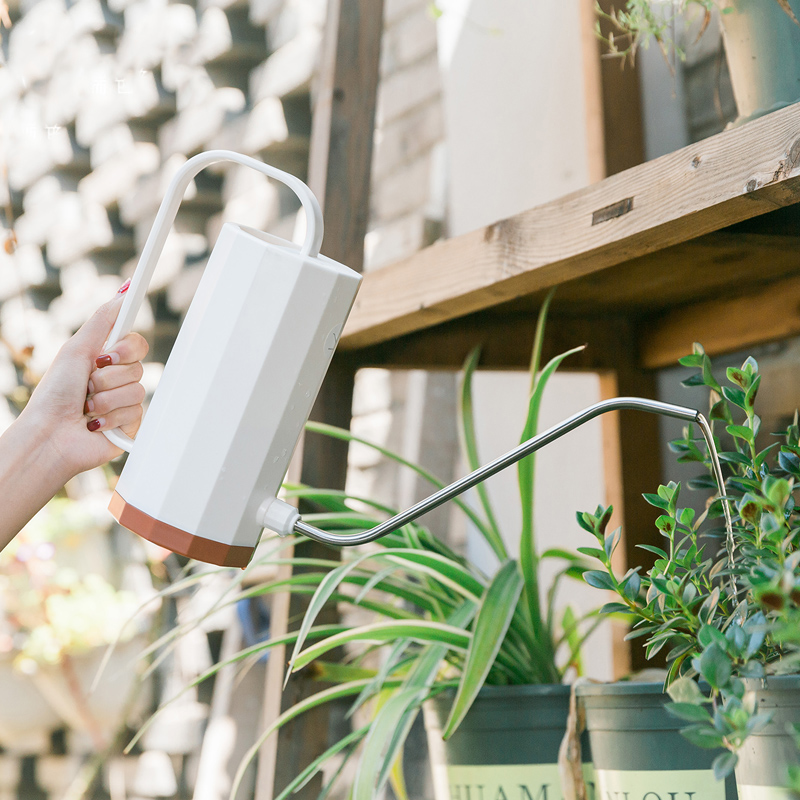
<point x="505" y="341"/>
<point x="723" y="326"/>
<point x="734" y="176"/>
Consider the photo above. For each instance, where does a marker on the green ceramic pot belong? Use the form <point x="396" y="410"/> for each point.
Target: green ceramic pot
<point x="507" y="746"/>
<point x="765" y="756"/>
<point x="762" y="45"/>
<point x="638" y="751"/>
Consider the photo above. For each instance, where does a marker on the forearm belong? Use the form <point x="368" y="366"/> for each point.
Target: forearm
<point x="31" y="472"/>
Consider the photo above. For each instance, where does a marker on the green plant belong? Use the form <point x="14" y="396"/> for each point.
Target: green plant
<point x="718" y="604"/>
<point x="638" y="22"/>
<point x="440" y="622"/>
<point x="48" y="611"/>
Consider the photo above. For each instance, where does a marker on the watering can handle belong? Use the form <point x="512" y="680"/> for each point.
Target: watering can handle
<point x="161" y="227"/>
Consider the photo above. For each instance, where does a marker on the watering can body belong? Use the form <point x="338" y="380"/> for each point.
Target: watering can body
<point x="244" y="371"/>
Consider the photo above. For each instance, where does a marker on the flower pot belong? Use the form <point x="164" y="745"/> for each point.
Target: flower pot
<point x="26" y="719"/>
<point x="764" y="759"/>
<point x="507" y="744"/>
<point x="762" y="45"/>
<point x="68" y="688"/>
<point x="638" y="751"/>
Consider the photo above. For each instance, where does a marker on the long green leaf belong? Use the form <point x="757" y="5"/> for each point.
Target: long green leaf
<point x="377" y="580"/>
<point x="470" y="443"/>
<point x="309" y="703"/>
<point x="326" y="588"/>
<point x="335" y="498"/>
<point x="394" y="721"/>
<point x="421" y="631"/>
<point x="494" y="616"/>
<point x="256" y="649"/>
<point x="389" y="664"/>
<point x="306" y="583"/>
<point x="526" y="470"/>
<point x="444" y="570"/>
<point x="314" y="767"/>
<point x="345" y="435"/>
<point x="388" y="720"/>
<point x="422" y="676"/>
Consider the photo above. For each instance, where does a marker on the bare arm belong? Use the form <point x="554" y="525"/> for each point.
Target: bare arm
<point x="58" y="435"/>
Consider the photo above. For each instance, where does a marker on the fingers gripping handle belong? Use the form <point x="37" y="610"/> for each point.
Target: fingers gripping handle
<point x="161" y="227"/>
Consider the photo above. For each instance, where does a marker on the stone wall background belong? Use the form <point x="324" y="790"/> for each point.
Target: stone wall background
<point x="100" y="102"/>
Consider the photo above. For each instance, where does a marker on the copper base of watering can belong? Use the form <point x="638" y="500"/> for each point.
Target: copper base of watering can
<point x="177" y="540"/>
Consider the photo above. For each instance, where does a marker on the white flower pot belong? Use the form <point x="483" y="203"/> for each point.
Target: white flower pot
<point x="107" y="703"/>
<point x="26" y="718"/>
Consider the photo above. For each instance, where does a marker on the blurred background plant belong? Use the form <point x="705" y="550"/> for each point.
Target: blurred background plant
<point x="637" y="23"/>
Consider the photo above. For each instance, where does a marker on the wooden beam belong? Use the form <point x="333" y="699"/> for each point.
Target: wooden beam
<point x="723" y="326"/>
<point x="505" y="341"/>
<point x="733" y="176"/>
<point x="593" y="93"/>
<point x="339" y="174"/>
<point x="632" y="466"/>
<point x="612" y="477"/>
<point x="701" y="269"/>
<point x="623" y="134"/>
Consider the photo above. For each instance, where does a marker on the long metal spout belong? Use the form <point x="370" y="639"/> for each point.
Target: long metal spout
<point x="519" y="452"/>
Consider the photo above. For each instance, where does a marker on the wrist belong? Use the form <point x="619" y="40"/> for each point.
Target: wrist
<point x="41" y="433"/>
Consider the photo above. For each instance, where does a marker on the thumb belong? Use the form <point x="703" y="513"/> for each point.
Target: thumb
<point x="92" y="335"/>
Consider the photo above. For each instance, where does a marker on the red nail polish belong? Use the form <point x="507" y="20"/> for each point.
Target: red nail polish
<point x="103" y="361"/>
<point x="125" y="286"/>
<point x="94" y="424"/>
<point x="86" y="409"/>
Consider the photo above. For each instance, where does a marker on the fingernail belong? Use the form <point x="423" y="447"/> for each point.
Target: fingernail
<point x="107" y="360"/>
<point x="88" y="406"/>
<point x="125" y="286"/>
<point x="95" y="424"/>
<point x="90" y="387"/>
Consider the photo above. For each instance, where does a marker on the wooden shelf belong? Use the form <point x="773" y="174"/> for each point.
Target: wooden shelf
<point x="663" y="254"/>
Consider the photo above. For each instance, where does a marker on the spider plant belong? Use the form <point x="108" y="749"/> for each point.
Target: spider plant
<point x="440" y="622"/>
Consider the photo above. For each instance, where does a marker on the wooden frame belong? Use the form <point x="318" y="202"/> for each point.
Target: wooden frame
<point x="641" y="245"/>
<point x="646" y="260"/>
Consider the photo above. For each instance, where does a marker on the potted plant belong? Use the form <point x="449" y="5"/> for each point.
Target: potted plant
<point x="721" y="602"/>
<point x="762" y="43"/>
<point x="484" y="650"/>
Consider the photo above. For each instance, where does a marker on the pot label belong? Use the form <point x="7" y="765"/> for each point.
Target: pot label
<point x="682" y="784"/>
<point x="751" y="792"/>
<point x="506" y="782"/>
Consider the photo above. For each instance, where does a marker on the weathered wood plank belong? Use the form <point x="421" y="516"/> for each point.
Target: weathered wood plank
<point x="505" y="341"/>
<point x="709" y="185"/>
<point x="710" y="266"/>
<point x="724" y="325"/>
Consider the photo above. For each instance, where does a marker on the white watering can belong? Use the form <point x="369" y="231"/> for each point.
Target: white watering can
<point x="204" y="471"/>
<point x="239" y="384"/>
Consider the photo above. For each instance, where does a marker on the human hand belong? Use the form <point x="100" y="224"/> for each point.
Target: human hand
<point x="86" y="391"/>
